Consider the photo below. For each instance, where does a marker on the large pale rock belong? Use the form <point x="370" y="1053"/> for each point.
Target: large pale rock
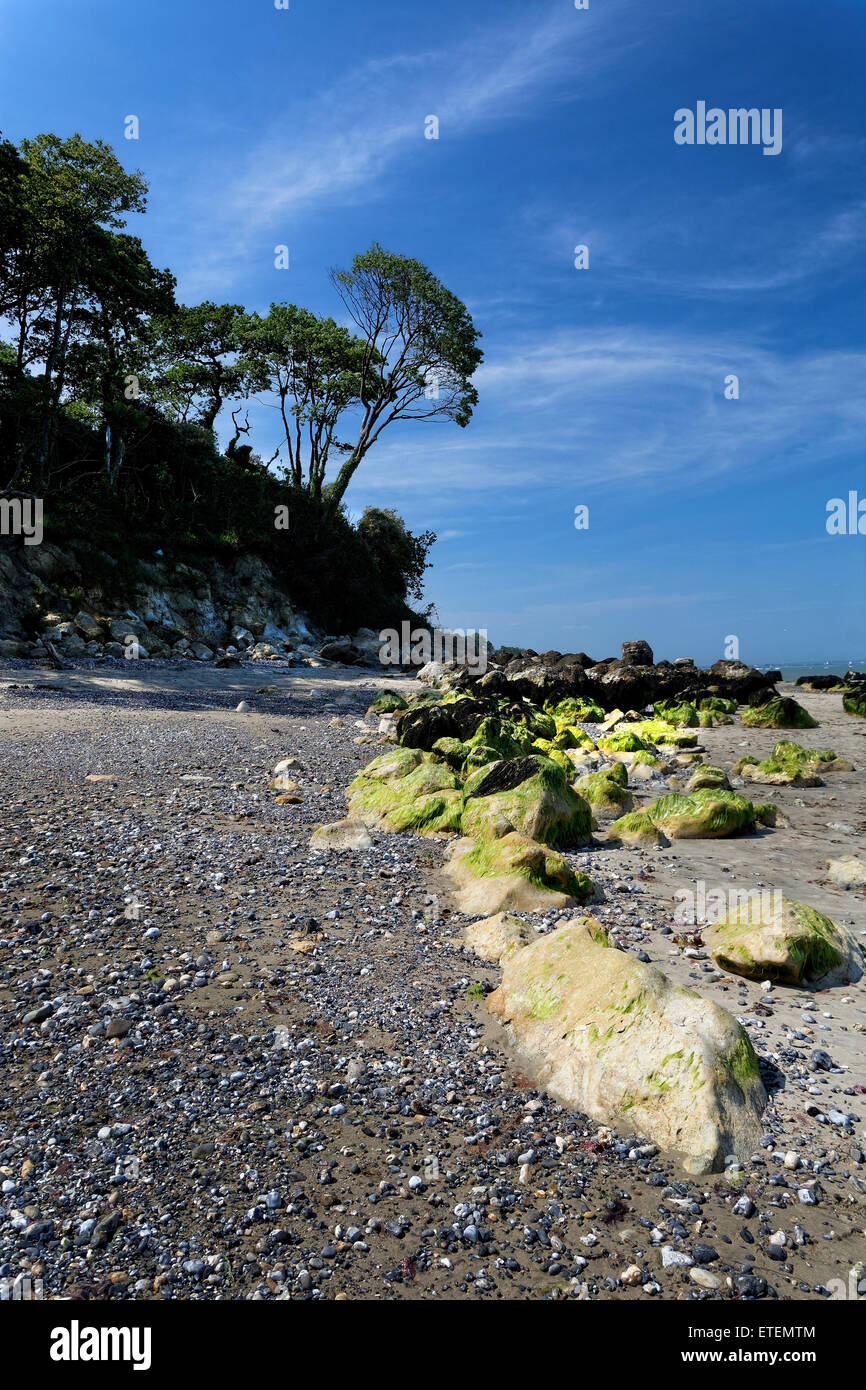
<point x="128" y="626"/>
<point x="617" y="1040"/>
<point x="274" y="635"/>
<point x="849" y="872"/>
<point x="512" y="874"/>
<point x="770" y="937"/>
<point x="434" y="673"/>
<point x="341" y="834"/>
<point x="495" y="937"/>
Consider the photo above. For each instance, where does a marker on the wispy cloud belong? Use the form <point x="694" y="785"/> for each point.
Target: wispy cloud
<point x="599" y="408"/>
<point x="345" y="140"/>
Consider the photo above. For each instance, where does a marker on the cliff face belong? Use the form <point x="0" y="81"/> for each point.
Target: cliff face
<point x="88" y="603"/>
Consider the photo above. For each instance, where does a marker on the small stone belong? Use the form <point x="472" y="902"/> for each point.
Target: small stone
<point x="675" y="1259"/>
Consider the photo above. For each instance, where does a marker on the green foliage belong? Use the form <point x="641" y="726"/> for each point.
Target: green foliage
<point x="109" y="393"/>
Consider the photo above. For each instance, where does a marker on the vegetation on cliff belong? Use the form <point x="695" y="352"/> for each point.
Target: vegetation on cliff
<point x="110" y="392"/>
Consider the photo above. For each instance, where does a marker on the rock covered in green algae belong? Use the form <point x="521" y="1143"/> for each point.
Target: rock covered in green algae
<point x="679" y="713"/>
<point x="780" y="712"/>
<point x="513" y="874"/>
<point x="624" y="741"/>
<point x="790" y="764"/>
<point x="704" y="815"/>
<point x="407" y="791"/>
<point x="575" y="711"/>
<point x="717" y="704"/>
<point x="531" y="795"/>
<point x="706" y="776"/>
<point x="386" y="702"/>
<point x="636" y="828"/>
<point x="770" y="937"/>
<point x="607" y="790"/>
<point x="615" y="1039"/>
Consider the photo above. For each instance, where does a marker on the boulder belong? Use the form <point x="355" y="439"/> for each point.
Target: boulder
<point x="849" y="872"/>
<point x="367" y="643"/>
<point x="615" y="1039"/>
<point x="343" y="651"/>
<point x="341" y="834"/>
<point x="433" y="673"/>
<point x="770" y="937"/>
<point x="770" y="774"/>
<point x="680" y="713"/>
<point x="89" y="628"/>
<point x="512" y="874"/>
<point x="637" y="654"/>
<point x="780" y="712"/>
<point x="854" y="702"/>
<point x="636" y="828"/>
<point x="495" y="937"/>
<point x="386" y="702"/>
<point x="526" y="794"/>
<point x="607" y="790"/>
<point x="129" y="626"/>
<point x="422" y="797"/>
<point x="73" y="645"/>
<point x="705" y="815"/>
<point x="274" y="635"/>
<point x="706" y="776"/>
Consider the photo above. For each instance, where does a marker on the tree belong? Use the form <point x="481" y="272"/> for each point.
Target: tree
<point x="200" y="362"/>
<point x="105" y="363"/>
<point x="316" y="369"/>
<point x="400" y="557"/>
<point x="69" y="193"/>
<point x="421" y="349"/>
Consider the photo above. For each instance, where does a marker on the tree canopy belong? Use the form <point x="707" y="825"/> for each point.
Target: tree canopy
<point x="111" y="391"/>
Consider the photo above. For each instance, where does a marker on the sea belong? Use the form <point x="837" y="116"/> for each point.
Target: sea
<point x="790" y="672"/>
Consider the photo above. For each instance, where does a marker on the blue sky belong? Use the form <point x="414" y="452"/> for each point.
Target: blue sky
<point x="602" y="387"/>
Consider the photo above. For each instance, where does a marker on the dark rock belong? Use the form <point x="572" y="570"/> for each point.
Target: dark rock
<point x="637" y="654"/>
<point x="118" y="1028"/>
<point x="343" y="651"/>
